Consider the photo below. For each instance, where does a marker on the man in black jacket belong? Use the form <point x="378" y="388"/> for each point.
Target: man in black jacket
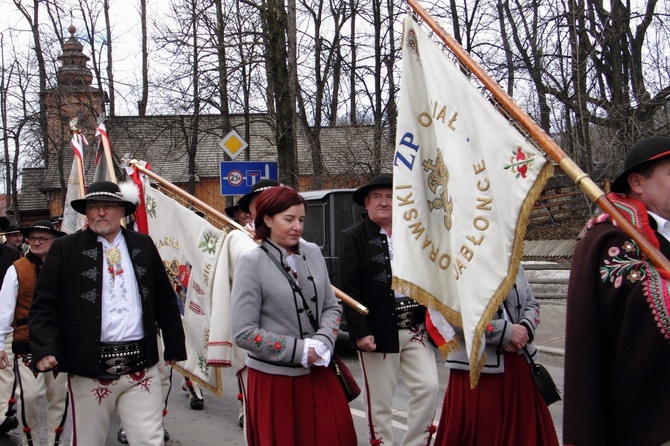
<point x="392" y="338"/>
<point x="100" y="296"/>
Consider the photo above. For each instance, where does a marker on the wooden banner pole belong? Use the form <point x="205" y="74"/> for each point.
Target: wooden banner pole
<point x="581" y="179"/>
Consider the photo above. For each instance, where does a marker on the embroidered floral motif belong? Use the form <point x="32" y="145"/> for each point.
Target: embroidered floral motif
<point x="634" y="276"/>
<point x="140" y="270"/>
<point x="202" y="365"/>
<point x="519" y="163"/>
<point x="89" y="296"/>
<point x="418" y="335"/>
<point x="379" y="258"/>
<point x="145" y="291"/>
<point x="92" y="253"/>
<point x="623" y="264"/>
<point x="382" y="277"/>
<point x="376" y="242"/>
<point x="90" y="273"/>
<point x="141" y="379"/>
<point x="491" y="327"/>
<point x="102" y="391"/>
<point x="412" y="41"/>
<point x="208" y="243"/>
<point x="135" y="252"/>
<point x="137" y="376"/>
<point x="151" y="206"/>
<point x="276" y="346"/>
<point x="334" y="327"/>
<point x="249" y="337"/>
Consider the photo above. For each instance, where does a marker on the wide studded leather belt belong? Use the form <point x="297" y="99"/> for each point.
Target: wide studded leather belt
<point x="409" y="313"/>
<point x="121" y="358"/>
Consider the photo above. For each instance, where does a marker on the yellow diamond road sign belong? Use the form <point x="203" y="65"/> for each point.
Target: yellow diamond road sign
<point x="233" y="144"/>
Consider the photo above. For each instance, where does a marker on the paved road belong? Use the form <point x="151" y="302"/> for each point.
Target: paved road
<point x="217" y="423"/>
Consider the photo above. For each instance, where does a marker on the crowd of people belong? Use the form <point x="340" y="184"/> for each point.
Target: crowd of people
<point x="90" y="321"/>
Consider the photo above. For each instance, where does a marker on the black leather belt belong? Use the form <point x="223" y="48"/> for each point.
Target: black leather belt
<point x="409" y="313"/>
<point x="121" y="358"/>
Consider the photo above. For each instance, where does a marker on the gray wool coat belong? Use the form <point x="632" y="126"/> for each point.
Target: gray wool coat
<point x="268" y="317"/>
<point x="523" y="309"/>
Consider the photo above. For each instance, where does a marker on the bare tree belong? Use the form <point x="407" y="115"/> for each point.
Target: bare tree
<point x="32" y="16"/>
<point x="145" y="60"/>
<point x="275" y="24"/>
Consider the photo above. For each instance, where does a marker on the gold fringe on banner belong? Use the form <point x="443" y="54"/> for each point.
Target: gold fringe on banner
<point x="507" y="284"/>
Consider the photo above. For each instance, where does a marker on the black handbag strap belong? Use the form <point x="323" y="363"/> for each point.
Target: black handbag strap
<point x="294" y="287"/>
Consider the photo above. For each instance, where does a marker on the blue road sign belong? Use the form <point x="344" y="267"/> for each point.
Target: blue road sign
<point x="237" y="177"/>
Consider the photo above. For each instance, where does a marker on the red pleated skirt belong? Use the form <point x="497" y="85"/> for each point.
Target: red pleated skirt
<point x="505" y="409"/>
<point x="296" y="411"/>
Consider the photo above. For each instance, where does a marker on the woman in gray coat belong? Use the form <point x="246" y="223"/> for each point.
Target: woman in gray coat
<point x="505" y="409"/>
<point x="286" y="316"/>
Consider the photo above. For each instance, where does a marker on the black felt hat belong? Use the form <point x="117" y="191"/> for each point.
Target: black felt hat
<point x="257" y="188"/>
<point x="103" y="191"/>
<point x="230" y="210"/>
<point x="12" y="229"/>
<point x="42" y="225"/>
<point x="378" y="182"/>
<point x="644" y="151"/>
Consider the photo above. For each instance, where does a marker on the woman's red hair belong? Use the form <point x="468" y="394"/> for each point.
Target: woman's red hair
<point x="271" y="202"/>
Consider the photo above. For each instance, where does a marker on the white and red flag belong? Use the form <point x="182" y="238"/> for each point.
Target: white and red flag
<point x="104" y="167"/>
<point x="76" y="186"/>
<point x="465" y="181"/>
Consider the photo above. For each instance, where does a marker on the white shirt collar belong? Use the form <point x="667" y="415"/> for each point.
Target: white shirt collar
<point x="662" y="225"/>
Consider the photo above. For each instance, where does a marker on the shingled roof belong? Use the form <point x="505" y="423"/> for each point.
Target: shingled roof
<point x="162" y="141"/>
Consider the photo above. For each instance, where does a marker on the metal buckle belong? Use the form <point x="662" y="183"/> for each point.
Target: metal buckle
<point x="118" y="369"/>
<point x="119" y="360"/>
<point x="406" y="322"/>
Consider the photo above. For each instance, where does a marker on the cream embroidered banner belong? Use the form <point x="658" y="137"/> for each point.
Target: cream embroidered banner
<point x="464" y="183"/>
<point x="190" y="248"/>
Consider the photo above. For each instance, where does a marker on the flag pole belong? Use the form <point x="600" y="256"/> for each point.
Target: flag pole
<point x="581" y="179"/>
<point x="229" y="221"/>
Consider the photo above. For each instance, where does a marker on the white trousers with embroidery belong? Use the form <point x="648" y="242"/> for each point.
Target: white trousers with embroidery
<point x="137" y="397"/>
<point x="415" y="363"/>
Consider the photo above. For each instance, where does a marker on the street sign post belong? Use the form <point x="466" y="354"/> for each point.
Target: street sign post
<point x="237" y="177"/>
<point x="233" y="144"/>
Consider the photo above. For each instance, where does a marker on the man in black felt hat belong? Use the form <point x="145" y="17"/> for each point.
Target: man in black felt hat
<point x="236" y="213"/>
<point x="99" y="298"/>
<point x="392" y="339"/>
<point x="57" y="221"/>
<point x="16" y="297"/>
<point x="14" y="237"/>
<point x="617" y="352"/>
<point x="248" y="201"/>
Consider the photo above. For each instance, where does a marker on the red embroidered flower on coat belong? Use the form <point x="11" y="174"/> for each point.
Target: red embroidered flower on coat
<point x="489" y="327"/>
